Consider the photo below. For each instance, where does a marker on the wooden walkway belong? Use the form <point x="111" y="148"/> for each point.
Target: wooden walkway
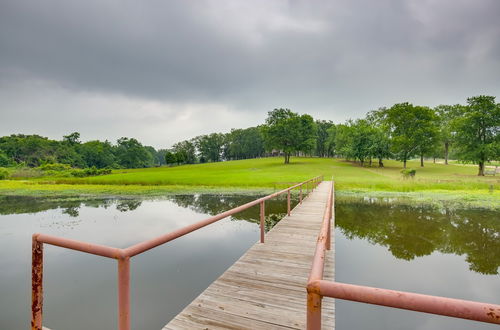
<point x="266" y="287"/>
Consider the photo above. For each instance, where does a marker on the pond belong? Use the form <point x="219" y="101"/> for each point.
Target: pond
<point x="454" y="253"/>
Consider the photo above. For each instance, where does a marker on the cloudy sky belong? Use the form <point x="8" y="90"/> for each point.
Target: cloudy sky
<point x="163" y="71"/>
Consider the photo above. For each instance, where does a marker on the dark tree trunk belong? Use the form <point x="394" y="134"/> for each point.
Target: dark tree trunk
<point x="481" y="169"/>
<point x="446" y="149"/>
<point x="370" y="162"/>
<point x="434" y="160"/>
<point x="421" y="160"/>
<point x="380" y="162"/>
<point x="404" y="163"/>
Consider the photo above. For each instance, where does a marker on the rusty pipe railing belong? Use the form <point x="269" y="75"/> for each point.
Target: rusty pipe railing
<point x="123" y="255"/>
<point x="317" y="288"/>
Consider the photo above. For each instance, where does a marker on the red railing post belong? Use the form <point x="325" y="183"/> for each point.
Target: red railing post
<point x="313" y="311"/>
<point x="288" y="203"/>
<point x="262" y="220"/>
<point x="36" y="284"/>
<point x="124" y="293"/>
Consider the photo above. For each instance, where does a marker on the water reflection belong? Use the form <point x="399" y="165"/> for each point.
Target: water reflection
<point x="215" y="204"/>
<point x="415" y="231"/>
<point x="70" y="206"/>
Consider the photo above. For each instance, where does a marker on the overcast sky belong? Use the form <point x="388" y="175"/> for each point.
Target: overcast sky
<point x="163" y="71"/>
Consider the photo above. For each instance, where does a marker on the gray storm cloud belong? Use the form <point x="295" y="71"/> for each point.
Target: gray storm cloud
<point x="143" y="66"/>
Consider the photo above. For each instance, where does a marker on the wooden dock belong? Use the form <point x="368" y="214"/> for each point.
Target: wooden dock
<point x="266" y="287"/>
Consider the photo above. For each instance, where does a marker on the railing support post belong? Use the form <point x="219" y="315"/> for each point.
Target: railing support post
<point x="262" y="220"/>
<point x="313" y="311"/>
<point x="288" y="203"/>
<point x="300" y="195"/>
<point x="36" y="284"/>
<point x="124" y="293"/>
<point x="329" y="236"/>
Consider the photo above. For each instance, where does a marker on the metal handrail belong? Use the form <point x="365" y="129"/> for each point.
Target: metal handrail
<point x="317" y="288"/>
<point x="123" y="255"/>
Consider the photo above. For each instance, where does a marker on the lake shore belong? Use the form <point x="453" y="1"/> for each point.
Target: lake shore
<point x="435" y="184"/>
<point x="456" y="199"/>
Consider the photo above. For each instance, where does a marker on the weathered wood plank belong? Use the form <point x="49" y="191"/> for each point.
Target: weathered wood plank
<point x="265" y="288"/>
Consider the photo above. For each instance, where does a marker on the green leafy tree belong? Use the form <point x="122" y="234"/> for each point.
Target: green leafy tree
<point x="185" y="152"/>
<point x="155" y="156"/>
<point x="170" y="158"/>
<point x="322" y="126"/>
<point x="97" y="154"/>
<point x="4" y="160"/>
<point x="381" y="145"/>
<point x="32" y="150"/>
<point x="244" y="143"/>
<point x="160" y="156"/>
<point x="72" y="139"/>
<point x="412" y="129"/>
<point x="210" y="146"/>
<point x="446" y="115"/>
<point x="130" y="153"/>
<point x="287" y="131"/>
<point x="477" y="130"/>
<point x="356" y="140"/>
<point x="330" y="141"/>
<point x="428" y="133"/>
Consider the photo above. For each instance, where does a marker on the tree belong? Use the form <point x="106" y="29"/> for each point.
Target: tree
<point x="322" y="137"/>
<point x="477" y="130"/>
<point x="412" y="129"/>
<point x="72" y="139"/>
<point x="32" y="150"/>
<point x="244" y="143"/>
<point x="287" y="131"/>
<point x="428" y="132"/>
<point x="210" y="146"/>
<point x="446" y="115"/>
<point x="381" y="147"/>
<point x="356" y="140"/>
<point x="158" y="159"/>
<point x="170" y="158"/>
<point x="185" y="152"/>
<point x="130" y="153"/>
<point x="330" y="141"/>
<point x="4" y="159"/>
<point x="98" y="154"/>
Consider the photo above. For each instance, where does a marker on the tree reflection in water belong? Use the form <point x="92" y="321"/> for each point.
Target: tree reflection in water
<point x="407" y="231"/>
<point x="415" y="231"/>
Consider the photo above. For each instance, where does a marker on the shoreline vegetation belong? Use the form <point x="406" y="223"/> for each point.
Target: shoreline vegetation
<point x="453" y="185"/>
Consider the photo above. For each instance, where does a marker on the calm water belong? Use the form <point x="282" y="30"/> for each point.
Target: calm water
<point x="441" y="252"/>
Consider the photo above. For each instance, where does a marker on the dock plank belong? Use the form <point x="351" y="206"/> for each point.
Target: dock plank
<point x="266" y="287"/>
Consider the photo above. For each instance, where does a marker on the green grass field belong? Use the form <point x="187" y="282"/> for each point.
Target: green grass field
<point x="268" y="174"/>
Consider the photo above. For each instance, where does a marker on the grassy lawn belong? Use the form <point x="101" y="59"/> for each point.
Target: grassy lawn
<point x="269" y="174"/>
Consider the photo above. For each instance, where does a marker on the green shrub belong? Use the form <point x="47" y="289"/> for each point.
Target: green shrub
<point x="4" y="159"/>
<point x="408" y="173"/>
<point x="27" y="172"/>
<point x="4" y="173"/>
<point x="55" y="167"/>
<point x="92" y="171"/>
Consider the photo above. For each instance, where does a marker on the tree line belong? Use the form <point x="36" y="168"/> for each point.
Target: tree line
<point x="467" y="132"/>
<point x="35" y="151"/>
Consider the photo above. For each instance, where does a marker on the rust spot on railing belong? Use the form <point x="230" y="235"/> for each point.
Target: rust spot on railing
<point x="495" y="316"/>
